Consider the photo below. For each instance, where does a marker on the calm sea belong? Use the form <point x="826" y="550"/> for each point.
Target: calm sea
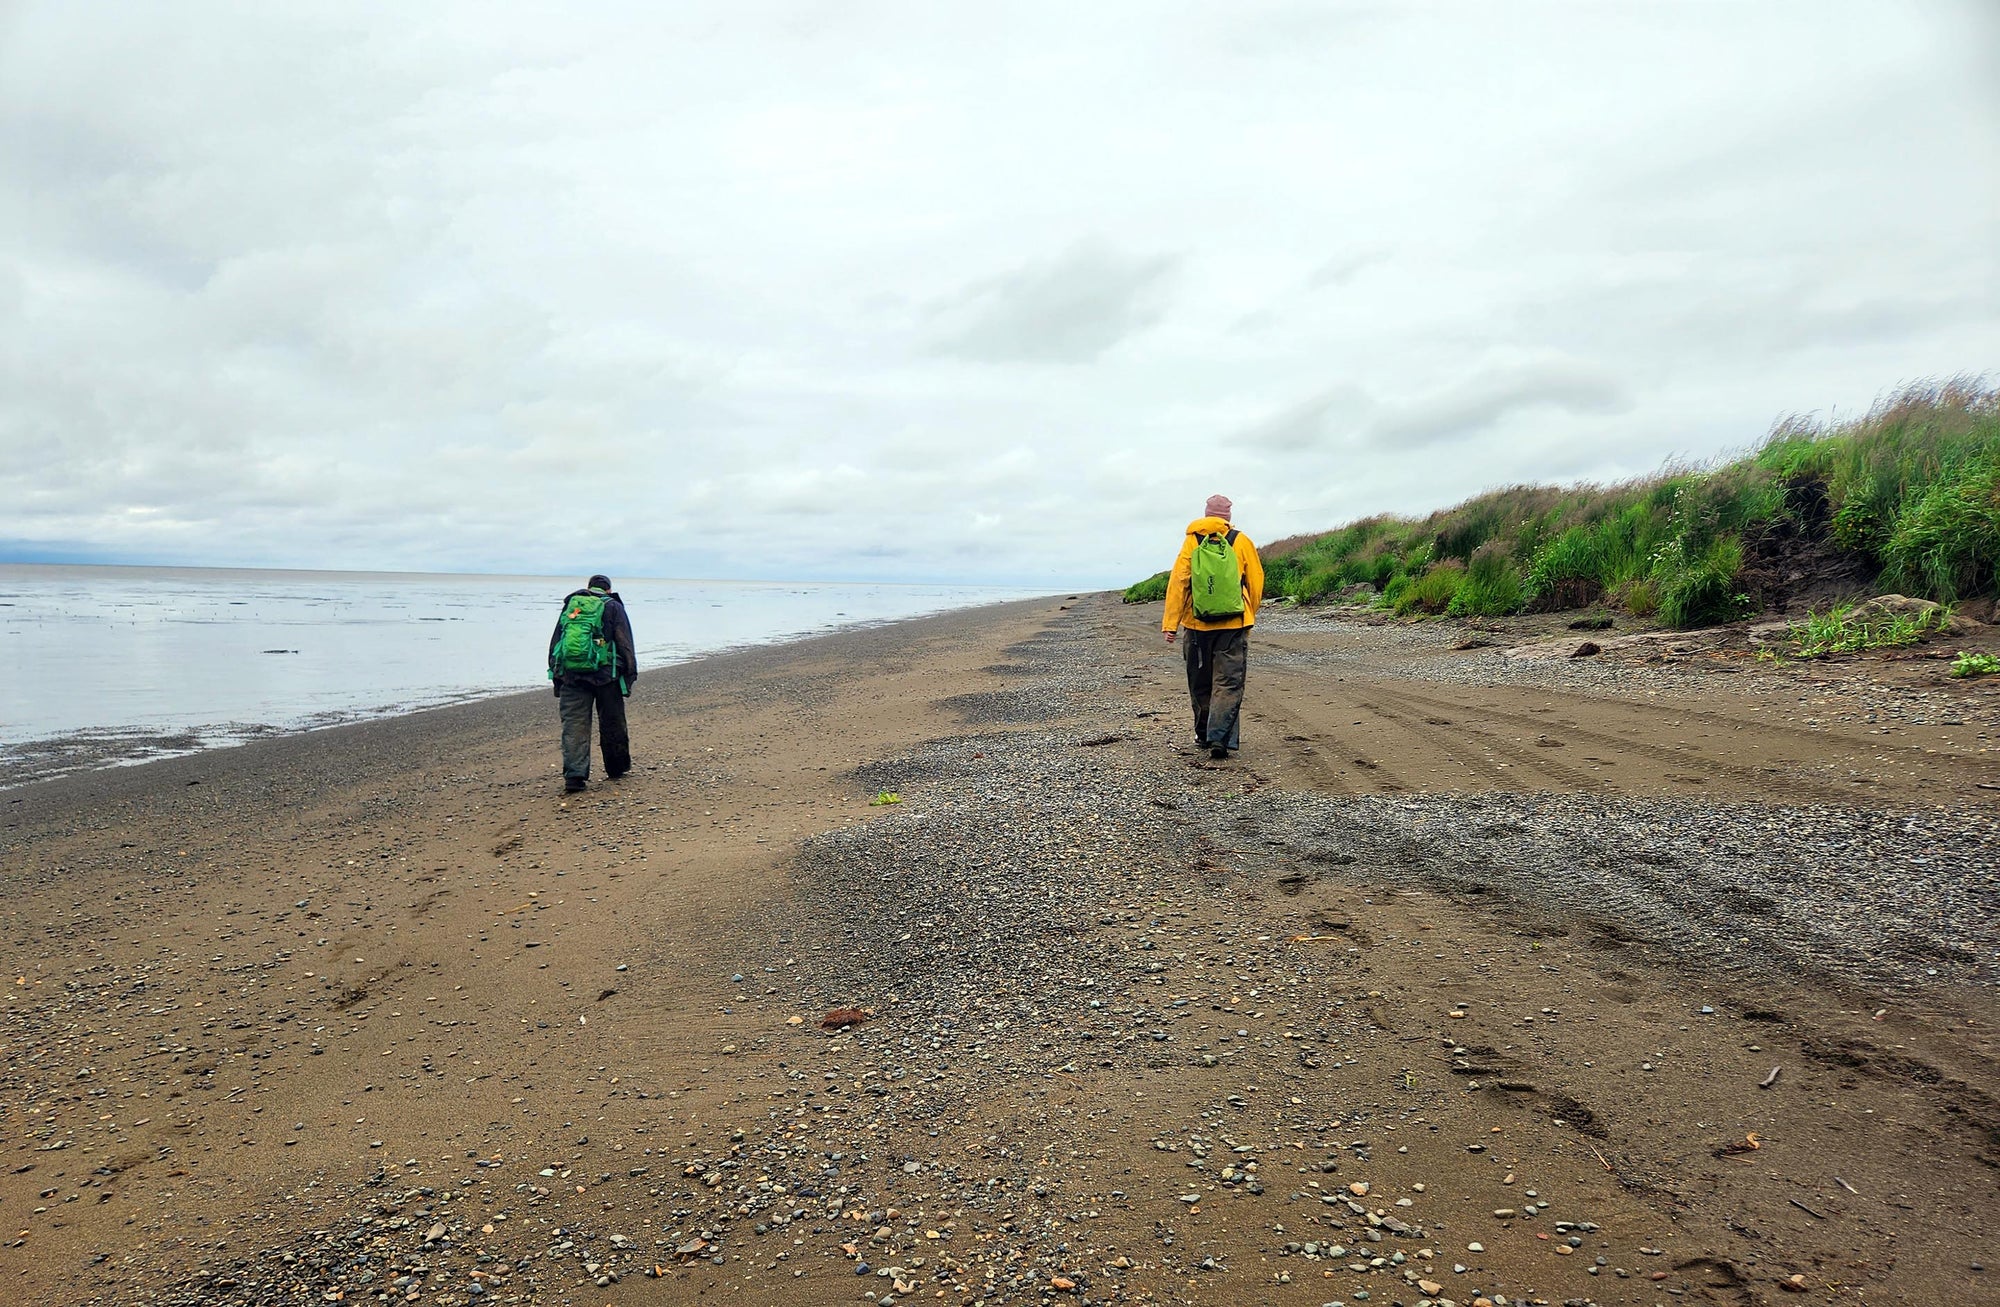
<point x="109" y="665"/>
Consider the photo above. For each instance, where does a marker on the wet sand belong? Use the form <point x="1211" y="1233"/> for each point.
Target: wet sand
<point x="376" y="1014"/>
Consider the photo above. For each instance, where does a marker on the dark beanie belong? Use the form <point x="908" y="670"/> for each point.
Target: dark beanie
<point x="599" y="582"/>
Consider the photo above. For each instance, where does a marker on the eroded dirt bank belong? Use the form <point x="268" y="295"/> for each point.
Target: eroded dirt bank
<point x="1466" y="979"/>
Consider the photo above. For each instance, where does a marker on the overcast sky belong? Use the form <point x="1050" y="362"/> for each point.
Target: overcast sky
<point x="933" y="291"/>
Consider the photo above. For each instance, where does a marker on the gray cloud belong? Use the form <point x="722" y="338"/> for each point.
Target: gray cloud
<point x="1343" y="269"/>
<point x="1346" y="417"/>
<point x="1485" y="399"/>
<point x="1068" y="309"/>
<point x="1312" y="422"/>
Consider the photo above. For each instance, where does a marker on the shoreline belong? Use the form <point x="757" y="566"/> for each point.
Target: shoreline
<point x="380" y="1004"/>
<point x="119" y="748"/>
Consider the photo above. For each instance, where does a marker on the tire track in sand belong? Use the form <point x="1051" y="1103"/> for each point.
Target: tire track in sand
<point x="1435" y="730"/>
<point x="1691" y="763"/>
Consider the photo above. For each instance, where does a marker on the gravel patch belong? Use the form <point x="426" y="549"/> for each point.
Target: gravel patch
<point x="1882" y="899"/>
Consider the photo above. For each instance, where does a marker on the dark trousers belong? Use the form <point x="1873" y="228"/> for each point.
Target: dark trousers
<point x="1217" y="664"/>
<point x="577" y="700"/>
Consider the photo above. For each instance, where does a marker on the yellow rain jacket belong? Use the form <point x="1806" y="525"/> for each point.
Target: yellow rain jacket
<point x="1180" y="586"/>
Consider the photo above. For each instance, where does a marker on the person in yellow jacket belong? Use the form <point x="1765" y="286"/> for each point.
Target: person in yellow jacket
<point x="1217" y="649"/>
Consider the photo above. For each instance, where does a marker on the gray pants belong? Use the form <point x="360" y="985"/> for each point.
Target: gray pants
<point x="1218" y="662"/>
<point x="577" y="701"/>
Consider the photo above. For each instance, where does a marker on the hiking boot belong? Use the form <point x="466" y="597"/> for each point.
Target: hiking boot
<point x="1217" y="751"/>
<point x="573" y="787"/>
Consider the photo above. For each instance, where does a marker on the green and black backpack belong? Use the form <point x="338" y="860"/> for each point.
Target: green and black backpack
<point x="580" y="645"/>
<point x="1217" y="576"/>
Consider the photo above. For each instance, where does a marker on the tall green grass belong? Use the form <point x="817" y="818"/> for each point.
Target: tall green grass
<point x="1947" y="541"/>
<point x="1435" y="591"/>
<point x="1915" y="485"/>
<point x="1570" y="571"/>
<point x="1698" y="587"/>
<point x="1911" y="489"/>
<point x="1491" y="587"/>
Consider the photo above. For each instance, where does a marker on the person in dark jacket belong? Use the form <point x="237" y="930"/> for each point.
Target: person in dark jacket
<point x="602" y="689"/>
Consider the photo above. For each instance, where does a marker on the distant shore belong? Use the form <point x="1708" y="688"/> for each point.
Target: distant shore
<point x="176" y="666"/>
<point x="358" y="745"/>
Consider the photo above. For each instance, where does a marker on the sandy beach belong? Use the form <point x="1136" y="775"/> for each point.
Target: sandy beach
<point x="1663" y="976"/>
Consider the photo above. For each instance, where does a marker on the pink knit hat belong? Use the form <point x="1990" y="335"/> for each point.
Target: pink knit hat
<point x="1219" y="506"/>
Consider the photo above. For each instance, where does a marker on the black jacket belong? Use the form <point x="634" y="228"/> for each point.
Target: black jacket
<point x="619" y="628"/>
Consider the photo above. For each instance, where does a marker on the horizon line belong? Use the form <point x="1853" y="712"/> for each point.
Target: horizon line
<point x="528" y="576"/>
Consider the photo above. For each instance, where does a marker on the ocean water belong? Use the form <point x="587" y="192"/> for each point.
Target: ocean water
<point x="111" y="665"/>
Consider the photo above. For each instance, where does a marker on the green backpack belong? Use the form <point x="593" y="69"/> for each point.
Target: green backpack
<point x="580" y="644"/>
<point x="1217" y="575"/>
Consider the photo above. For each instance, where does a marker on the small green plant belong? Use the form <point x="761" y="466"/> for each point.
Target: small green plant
<point x="1851" y="628"/>
<point x="884" y="799"/>
<point x="1151" y="590"/>
<point x="1969" y="664"/>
